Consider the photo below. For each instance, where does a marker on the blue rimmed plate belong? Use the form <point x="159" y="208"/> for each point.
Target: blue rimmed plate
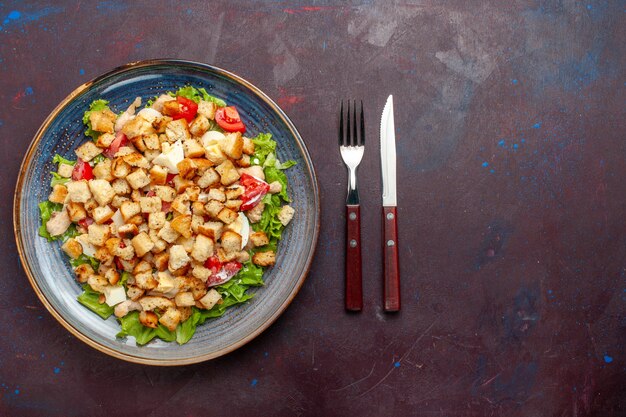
<point x="48" y="269"/>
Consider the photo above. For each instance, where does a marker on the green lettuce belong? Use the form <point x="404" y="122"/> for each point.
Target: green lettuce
<point x="57" y="179"/>
<point x="46" y="208"/>
<point x="197" y="94"/>
<point x="58" y="159"/>
<point x="99" y="158"/>
<point x="84" y="259"/>
<point x="96" y="105"/>
<point x="263" y="146"/>
<point x="90" y="299"/>
<point x="131" y="326"/>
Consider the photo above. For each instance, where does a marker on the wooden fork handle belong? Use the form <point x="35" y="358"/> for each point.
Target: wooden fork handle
<point x="354" y="285"/>
<point x="391" y="268"/>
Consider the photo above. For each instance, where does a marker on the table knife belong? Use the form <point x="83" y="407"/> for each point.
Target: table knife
<point x="391" y="269"/>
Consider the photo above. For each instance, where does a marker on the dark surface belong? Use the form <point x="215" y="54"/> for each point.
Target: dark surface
<point x="511" y="160"/>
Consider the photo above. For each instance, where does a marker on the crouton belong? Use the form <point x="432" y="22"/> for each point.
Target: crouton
<point x="119" y="168"/>
<point x="134" y="292"/>
<point x="243" y="256"/>
<point x="286" y="214"/>
<point x="138" y="143"/>
<point x="83" y="271"/>
<point x="178" y="257"/>
<point x="156" y="220"/>
<point x="196" y="221"/>
<point x="213" y="208"/>
<point x="90" y="205"/>
<point x="125" y="250"/>
<point x="211" y="298"/>
<point x="120" y="186"/>
<point x="149" y="319"/>
<point x="102" y="214"/>
<point x="167" y="233"/>
<point x="128" y="209"/>
<point x="103" y="256"/>
<point x="165" y="193"/>
<point x="234" y="205"/>
<point x="202" y="248"/>
<point x="207" y="109"/>
<point x="227" y="215"/>
<point x="161" y="260"/>
<point x="138" y="126"/>
<point x="185" y="242"/>
<point x="138" y="179"/>
<point x="212" y="230"/>
<point x="112" y="276"/>
<point x="244" y="161"/>
<point x="184" y="299"/>
<point x="152" y="142"/>
<point x="171" y="317"/>
<point x="182" y="224"/>
<point x="232" y="145"/>
<point x="58" y="194"/>
<point x="213" y="153"/>
<point x="102" y="170"/>
<point x="275" y="187"/>
<point x="136" y="159"/>
<point x="65" y="170"/>
<point x="185" y="313"/>
<point x="72" y="248"/>
<point x="150" y="154"/>
<point x="98" y="234"/>
<point x="158" y="175"/>
<point x="255" y="213"/>
<point x="187" y="169"/>
<point x="146" y="281"/>
<point x="228" y="172"/>
<point x="87" y="151"/>
<point x="255" y="171"/>
<point x="76" y="211"/>
<point x="149" y="303"/>
<point x="102" y="121"/>
<point x="105" y="140"/>
<point x="150" y="204"/>
<point x="209" y="178"/>
<point x="97" y="283"/>
<point x="142" y="244"/>
<point x="193" y="193"/>
<point x="177" y="130"/>
<point x="201" y="272"/>
<point x="78" y="191"/>
<point x="102" y="191"/>
<point x="127" y="231"/>
<point x="217" y="194"/>
<point x="264" y="258"/>
<point x="181" y="184"/>
<point x="233" y="193"/>
<point x="231" y="241"/>
<point x="192" y="148"/>
<point x="203" y="164"/>
<point x="259" y="238"/>
<point x="181" y="204"/>
<point x="197" y="208"/>
<point x="125" y="307"/>
<point x="248" y="146"/>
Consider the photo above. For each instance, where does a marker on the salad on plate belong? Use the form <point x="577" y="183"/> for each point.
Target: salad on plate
<point x="168" y="212"/>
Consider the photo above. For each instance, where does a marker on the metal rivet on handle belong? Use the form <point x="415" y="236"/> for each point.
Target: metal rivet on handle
<point x="389" y="216"/>
<point x="390" y="243"/>
<point x="352" y="216"/>
<point x="353" y="243"/>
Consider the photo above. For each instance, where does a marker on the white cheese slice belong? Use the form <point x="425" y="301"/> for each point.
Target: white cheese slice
<point x="241" y="226"/>
<point x="171" y="158"/>
<point x="212" y="137"/>
<point x="88" y="248"/>
<point x="117" y="219"/>
<point x="114" y="294"/>
<point x="150" y="114"/>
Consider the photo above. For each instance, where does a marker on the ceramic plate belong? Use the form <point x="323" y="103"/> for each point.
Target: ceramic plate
<point x="48" y="268"/>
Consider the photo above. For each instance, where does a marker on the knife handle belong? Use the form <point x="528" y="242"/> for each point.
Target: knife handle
<point x="354" y="286"/>
<point x="391" y="268"/>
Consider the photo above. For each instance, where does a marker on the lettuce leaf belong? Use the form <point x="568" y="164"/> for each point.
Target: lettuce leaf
<point x="263" y="146"/>
<point x="98" y="158"/>
<point x="58" y="159"/>
<point x="89" y="298"/>
<point x="131" y="326"/>
<point x="84" y="259"/>
<point x="96" y="105"/>
<point x="186" y="330"/>
<point x="46" y="208"/>
<point x="57" y="179"/>
<point x="197" y="94"/>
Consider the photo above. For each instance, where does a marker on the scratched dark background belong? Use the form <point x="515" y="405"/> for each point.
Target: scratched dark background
<point x="511" y="158"/>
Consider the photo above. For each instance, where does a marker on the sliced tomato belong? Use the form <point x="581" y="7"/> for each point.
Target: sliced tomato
<point x="85" y="222"/>
<point x="118" y="263"/>
<point x="82" y="171"/>
<point x="187" y="109"/>
<point x="228" y="270"/>
<point x="119" y="141"/>
<point x="255" y="190"/>
<point x="169" y="178"/>
<point x="166" y="206"/>
<point x="228" y="119"/>
<point x="214" y="264"/>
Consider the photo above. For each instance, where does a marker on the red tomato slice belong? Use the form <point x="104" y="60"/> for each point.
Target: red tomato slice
<point x="166" y="206"/>
<point x="228" y="119"/>
<point x="228" y="270"/>
<point x="255" y="190"/>
<point x="85" y="222"/>
<point x="82" y="171"/>
<point x="187" y="109"/>
<point x="119" y="141"/>
<point x="214" y="264"/>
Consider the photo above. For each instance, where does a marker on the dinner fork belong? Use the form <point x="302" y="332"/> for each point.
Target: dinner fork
<point x="352" y="147"/>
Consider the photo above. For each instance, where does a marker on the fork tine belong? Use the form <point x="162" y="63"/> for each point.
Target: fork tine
<point x="341" y="125"/>
<point x="349" y="127"/>
<point x="355" y="136"/>
<point x="362" y="126"/>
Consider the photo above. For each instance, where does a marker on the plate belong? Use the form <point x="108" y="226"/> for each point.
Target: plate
<point x="48" y="269"/>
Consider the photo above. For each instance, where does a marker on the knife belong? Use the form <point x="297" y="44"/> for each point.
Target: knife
<point x="391" y="269"/>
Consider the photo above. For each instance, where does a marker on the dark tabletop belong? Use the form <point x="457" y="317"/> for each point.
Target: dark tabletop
<point x="512" y="197"/>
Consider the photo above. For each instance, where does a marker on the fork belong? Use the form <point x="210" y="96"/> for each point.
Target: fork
<point x="352" y="147"/>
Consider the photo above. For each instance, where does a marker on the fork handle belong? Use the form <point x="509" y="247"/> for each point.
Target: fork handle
<point x="391" y="268"/>
<point x="354" y="283"/>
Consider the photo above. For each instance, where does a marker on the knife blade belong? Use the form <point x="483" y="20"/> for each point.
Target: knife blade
<point x="391" y="268"/>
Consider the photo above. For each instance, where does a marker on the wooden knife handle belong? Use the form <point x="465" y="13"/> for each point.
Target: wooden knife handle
<point x="391" y="268"/>
<point x="354" y="286"/>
